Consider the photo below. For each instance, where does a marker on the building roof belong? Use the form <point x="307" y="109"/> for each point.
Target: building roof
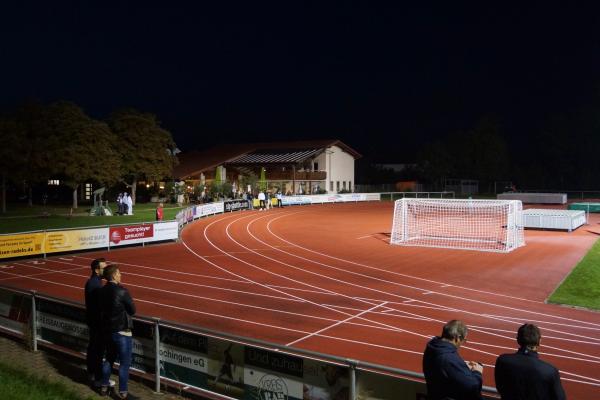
<point x="195" y="162"/>
<point x="275" y="157"/>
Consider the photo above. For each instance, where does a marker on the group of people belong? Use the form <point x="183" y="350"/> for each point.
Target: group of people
<point x="519" y="376"/>
<point x="264" y="199"/>
<point x="109" y="311"/>
<point x="124" y="204"/>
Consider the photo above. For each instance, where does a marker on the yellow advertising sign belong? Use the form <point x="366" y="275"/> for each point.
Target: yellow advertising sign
<point x="59" y="241"/>
<point x="25" y="244"/>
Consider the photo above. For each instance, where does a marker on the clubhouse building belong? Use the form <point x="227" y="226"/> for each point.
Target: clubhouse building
<point x="299" y="167"/>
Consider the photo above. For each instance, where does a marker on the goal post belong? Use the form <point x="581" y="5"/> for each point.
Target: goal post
<point x="483" y="225"/>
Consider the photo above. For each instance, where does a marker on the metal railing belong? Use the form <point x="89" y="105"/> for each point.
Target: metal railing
<point x="198" y="359"/>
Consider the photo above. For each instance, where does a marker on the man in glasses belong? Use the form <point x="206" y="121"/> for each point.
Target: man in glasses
<point x="448" y="376"/>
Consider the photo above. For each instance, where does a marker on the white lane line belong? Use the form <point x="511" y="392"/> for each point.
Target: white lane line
<point x="363" y="237"/>
<point x="417" y="278"/>
<point x="292" y="266"/>
<point x="540" y="321"/>
<point x="336" y="324"/>
<point x="378" y="279"/>
<point x="17" y="276"/>
<point x="419" y="353"/>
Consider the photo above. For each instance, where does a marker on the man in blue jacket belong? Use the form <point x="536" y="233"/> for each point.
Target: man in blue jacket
<point x="523" y="375"/>
<point x="448" y="376"/>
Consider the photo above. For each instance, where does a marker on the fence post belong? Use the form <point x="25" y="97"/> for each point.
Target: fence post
<point x="33" y="322"/>
<point x="352" y="364"/>
<point x="156" y="355"/>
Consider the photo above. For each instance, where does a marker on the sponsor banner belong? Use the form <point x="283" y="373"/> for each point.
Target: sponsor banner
<point x="66" y="311"/>
<point x="226" y="368"/>
<point x="189" y="214"/>
<point x="63" y="332"/>
<point x="272" y="376"/>
<point x="211" y="209"/>
<point x="130" y="234"/>
<point x="295" y="200"/>
<point x="15" y="309"/>
<point x="183" y="357"/>
<point x="143" y="347"/>
<point x="377" y="386"/>
<point x="166" y="230"/>
<point x="13" y="326"/>
<point x="26" y="244"/>
<point x="79" y="239"/>
<point x="324" y="381"/>
<point x="235" y="205"/>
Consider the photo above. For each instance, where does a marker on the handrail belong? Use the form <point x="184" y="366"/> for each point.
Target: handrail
<point x="257" y="343"/>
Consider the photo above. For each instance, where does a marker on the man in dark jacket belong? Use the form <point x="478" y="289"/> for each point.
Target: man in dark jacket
<point x="523" y="375"/>
<point x="117" y="309"/>
<point x="92" y="315"/>
<point x="448" y="376"/>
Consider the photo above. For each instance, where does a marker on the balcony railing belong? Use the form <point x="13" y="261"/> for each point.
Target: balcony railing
<point x="299" y="175"/>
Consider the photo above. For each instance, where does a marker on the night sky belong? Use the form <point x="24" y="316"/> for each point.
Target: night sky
<point x="368" y="73"/>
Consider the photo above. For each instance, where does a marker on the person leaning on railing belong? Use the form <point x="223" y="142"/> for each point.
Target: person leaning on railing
<point x="448" y="376"/>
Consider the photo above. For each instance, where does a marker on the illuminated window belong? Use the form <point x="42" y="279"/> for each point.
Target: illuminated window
<point x="53" y="182"/>
<point x="88" y="191"/>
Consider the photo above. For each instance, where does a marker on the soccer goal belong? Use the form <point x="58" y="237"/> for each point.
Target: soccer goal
<point x="484" y="225"/>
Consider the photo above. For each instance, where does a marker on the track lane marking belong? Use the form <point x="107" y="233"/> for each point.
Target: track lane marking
<point x="336" y="324"/>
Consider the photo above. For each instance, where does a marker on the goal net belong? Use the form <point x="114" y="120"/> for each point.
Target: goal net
<point x="484" y="225"/>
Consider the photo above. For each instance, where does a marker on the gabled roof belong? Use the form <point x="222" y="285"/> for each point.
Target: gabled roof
<point x="195" y="162"/>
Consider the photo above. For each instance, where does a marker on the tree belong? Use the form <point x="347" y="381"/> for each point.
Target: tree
<point x="147" y="150"/>
<point x="34" y="140"/>
<point x="12" y="147"/>
<point x="81" y="149"/>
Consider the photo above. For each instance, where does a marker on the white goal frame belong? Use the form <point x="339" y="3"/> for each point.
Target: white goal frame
<point x="482" y="225"/>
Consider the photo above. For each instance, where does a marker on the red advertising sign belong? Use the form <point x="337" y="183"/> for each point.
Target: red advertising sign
<point x="131" y="233"/>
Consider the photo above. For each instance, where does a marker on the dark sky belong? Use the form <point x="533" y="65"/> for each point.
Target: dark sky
<point x="382" y="76"/>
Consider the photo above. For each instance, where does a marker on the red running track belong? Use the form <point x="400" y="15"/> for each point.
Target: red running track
<point x="324" y="278"/>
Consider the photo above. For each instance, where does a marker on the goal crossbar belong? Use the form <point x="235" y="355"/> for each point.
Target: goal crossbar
<point x="483" y="225"/>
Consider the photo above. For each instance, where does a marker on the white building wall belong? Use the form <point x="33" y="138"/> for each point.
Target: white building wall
<point x="340" y="168"/>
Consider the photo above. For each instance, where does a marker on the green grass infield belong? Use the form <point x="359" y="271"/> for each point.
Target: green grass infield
<point x="581" y="287"/>
<point x="21" y="218"/>
<point x="16" y="384"/>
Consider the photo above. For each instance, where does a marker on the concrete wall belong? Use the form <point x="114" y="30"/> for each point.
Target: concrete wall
<point x="340" y="170"/>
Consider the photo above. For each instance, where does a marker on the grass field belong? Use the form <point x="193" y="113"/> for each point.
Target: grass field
<point x="21" y="218"/>
<point x="582" y="286"/>
<point x="19" y="385"/>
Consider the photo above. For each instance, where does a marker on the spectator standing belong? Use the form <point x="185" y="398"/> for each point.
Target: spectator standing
<point x="159" y="212"/>
<point x="120" y="204"/>
<point x="95" y="349"/>
<point x="261" y="200"/>
<point x="268" y="197"/>
<point x="279" y="199"/>
<point x="448" y="376"/>
<point x="522" y="375"/>
<point x="117" y="308"/>
<point x="124" y="205"/>
<point x="250" y="200"/>
<point x="129" y="204"/>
